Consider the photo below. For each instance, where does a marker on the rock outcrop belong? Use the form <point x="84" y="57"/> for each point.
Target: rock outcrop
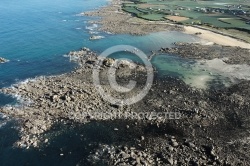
<point x="2" y="60"/>
<point x="211" y="129"/>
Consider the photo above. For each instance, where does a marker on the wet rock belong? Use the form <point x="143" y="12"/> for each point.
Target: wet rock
<point x="130" y="156"/>
<point x="174" y="143"/>
<point x="2" y="60"/>
<point x="46" y="141"/>
<point x="231" y="55"/>
<point x="108" y="62"/>
<point x="190" y="144"/>
<point x="170" y="161"/>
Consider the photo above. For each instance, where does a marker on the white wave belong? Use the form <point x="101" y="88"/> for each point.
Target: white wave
<point x="78" y="28"/>
<point x="80" y="14"/>
<point x="93" y="32"/>
<point x="74" y="58"/>
<point x="96" y="37"/>
<point x="2" y="124"/>
<point x="94" y="26"/>
<point x="3" y="116"/>
<point x="66" y="55"/>
<point x="26" y="81"/>
<point x="3" y="120"/>
<point x="18" y="97"/>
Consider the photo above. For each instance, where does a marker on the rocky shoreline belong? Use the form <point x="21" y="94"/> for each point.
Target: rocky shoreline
<point x="212" y="127"/>
<point x="114" y="20"/>
<point x="2" y="60"/>
<point x="230" y="55"/>
<point x="45" y="100"/>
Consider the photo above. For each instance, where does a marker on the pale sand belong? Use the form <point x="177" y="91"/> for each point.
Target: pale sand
<point x="216" y="38"/>
<point x="232" y="71"/>
<point x="145" y="5"/>
<point x="217" y="67"/>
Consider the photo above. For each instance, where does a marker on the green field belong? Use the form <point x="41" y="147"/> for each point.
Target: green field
<point x="153" y="17"/>
<point x="198" y="11"/>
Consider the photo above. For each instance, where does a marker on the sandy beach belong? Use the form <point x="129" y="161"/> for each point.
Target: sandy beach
<point x="116" y="21"/>
<point x="216" y="38"/>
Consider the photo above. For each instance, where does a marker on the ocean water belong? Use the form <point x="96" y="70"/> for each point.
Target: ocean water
<point x="34" y="36"/>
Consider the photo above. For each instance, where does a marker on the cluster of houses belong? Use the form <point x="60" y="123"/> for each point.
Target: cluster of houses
<point x="221" y="10"/>
<point x="230" y="9"/>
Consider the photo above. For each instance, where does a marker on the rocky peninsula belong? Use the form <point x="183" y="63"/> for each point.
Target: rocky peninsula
<point x="115" y="20"/>
<point x="230" y="55"/>
<point x="211" y="126"/>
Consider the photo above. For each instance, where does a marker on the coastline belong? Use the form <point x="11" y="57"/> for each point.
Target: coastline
<point x="60" y="99"/>
<point x="200" y="136"/>
<point x="116" y="21"/>
<point x="216" y="37"/>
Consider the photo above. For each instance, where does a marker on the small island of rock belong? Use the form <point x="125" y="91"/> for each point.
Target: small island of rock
<point x="2" y="60"/>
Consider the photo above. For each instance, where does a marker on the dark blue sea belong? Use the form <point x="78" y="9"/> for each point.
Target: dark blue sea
<point x="35" y="35"/>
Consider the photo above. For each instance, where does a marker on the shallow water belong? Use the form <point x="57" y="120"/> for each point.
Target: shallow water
<point x="184" y="69"/>
<point x="34" y="36"/>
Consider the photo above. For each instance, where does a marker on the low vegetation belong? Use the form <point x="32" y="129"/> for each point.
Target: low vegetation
<point x="231" y="14"/>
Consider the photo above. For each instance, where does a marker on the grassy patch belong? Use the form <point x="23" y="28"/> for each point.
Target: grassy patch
<point x="153" y="17"/>
<point x="194" y="10"/>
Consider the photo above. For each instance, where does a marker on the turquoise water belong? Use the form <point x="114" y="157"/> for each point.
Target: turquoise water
<point x="34" y="36"/>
